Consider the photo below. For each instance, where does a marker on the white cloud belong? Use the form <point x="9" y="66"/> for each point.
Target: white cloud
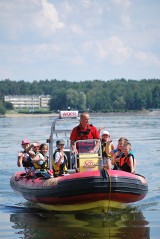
<point x="81" y="37"/>
<point x="112" y="50"/>
<point x="122" y="3"/>
<point x="67" y="7"/>
<point x="27" y="54"/>
<point x="77" y="29"/>
<point x="31" y="16"/>
<point x="79" y="61"/>
<point x="147" y="59"/>
<point x="118" y="51"/>
<point x="87" y="3"/>
<point x="47" y="19"/>
<point x="126" y="20"/>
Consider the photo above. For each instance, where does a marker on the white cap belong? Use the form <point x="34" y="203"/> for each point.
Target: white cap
<point x="105" y="132"/>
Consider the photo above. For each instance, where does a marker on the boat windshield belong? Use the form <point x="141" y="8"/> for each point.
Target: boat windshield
<point x="87" y="146"/>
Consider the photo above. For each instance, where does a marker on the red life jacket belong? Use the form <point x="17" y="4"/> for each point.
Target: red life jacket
<point x="124" y="162"/>
<point x="83" y="134"/>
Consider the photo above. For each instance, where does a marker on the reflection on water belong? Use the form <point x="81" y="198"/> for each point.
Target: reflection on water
<point x="117" y="224"/>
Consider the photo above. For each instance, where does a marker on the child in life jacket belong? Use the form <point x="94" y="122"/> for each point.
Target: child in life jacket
<point x="33" y="149"/>
<point x="40" y="162"/>
<point x="107" y="147"/>
<point x="60" y="162"/>
<point x="127" y="161"/>
<point x="23" y="156"/>
<point x="118" y="152"/>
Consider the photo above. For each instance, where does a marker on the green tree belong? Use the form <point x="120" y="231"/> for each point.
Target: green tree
<point x="76" y="99"/>
<point x="82" y="101"/>
<point x="96" y="95"/>
<point x="72" y="98"/>
<point x="2" y="108"/>
<point x="58" y="101"/>
<point x="156" y="97"/>
<point x="8" y="105"/>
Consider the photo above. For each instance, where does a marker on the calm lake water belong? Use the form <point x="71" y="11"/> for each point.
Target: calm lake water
<point x="20" y="219"/>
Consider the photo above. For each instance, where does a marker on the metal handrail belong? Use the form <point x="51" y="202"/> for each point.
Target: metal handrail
<point x="54" y="131"/>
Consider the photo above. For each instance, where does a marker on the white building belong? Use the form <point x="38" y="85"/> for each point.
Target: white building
<point x="44" y="99"/>
<point x="28" y="101"/>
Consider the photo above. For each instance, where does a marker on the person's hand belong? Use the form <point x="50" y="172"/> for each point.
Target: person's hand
<point x="108" y="143"/>
<point x="92" y="151"/>
<point x="117" y="160"/>
<point x="20" y="154"/>
<point x="118" y="153"/>
<point x="74" y="151"/>
<point x="61" y="154"/>
<point x="101" y="128"/>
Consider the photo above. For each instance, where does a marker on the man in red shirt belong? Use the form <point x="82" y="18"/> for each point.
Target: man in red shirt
<point x="84" y="131"/>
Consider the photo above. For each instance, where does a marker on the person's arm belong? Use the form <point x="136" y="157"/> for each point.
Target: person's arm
<point x="29" y="148"/>
<point x="96" y="136"/>
<point x="73" y="147"/>
<point x="58" y="158"/>
<point x="37" y="158"/>
<point x="131" y="164"/>
<point x="112" y="147"/>
<point x="20" y="159"/>
<point x="73" y="137"/>
<point x="115" y="157"/>
<point x="99" y="130"/>
<point x="109" y="147"/>
<point x="96" y="147"/>
<point x="30" y="151"/>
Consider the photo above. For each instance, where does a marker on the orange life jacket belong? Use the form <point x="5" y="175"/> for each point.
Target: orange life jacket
<point x="124" y="162"/>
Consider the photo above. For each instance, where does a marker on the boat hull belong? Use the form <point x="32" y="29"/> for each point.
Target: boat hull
<point x="81" y="191"/>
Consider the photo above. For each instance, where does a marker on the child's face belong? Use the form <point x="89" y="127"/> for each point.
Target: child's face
<point x="44" y="149"/>
<point x="61" y="146"/>
<point x="36" y="148"/>
<point x="25" y="146"/>
<point x="126" y="149"/>
<point x="105" y="137"/>
<point x="120" y="146"/>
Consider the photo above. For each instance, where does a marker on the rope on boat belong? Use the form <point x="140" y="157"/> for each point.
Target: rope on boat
<point x="106" y="175"/>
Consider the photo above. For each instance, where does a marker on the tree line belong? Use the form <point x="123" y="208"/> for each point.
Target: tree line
<point x="96" y="95"/>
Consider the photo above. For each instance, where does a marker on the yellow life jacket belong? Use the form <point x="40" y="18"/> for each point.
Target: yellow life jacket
<point x="41" y="165"/>
<point x="59" y="170"/>
<point x="104" y="154"/>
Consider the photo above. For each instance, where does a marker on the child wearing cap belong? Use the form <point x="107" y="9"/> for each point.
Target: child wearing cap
<point x="59" y="161"/>
<point x="107" y="147"/>
<point x="23" y="155"/>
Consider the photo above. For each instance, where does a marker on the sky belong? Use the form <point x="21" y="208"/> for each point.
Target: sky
<point x="79" y="40"/>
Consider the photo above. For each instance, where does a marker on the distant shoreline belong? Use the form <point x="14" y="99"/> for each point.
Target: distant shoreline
<point x="18" y="115"/>
<point x="142" y="112"/>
